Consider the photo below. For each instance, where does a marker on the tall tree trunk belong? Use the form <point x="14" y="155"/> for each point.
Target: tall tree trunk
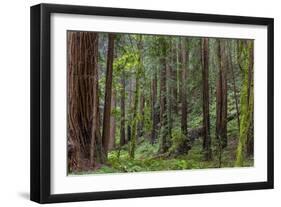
<point x="250" y="135"/>
<point x="247" y="103"/>
<point x="221" y="106"/>
<point x="83" y="116"/>
<point x="174" y="70"/>
<point x="234" y="85"/>
<point x="206" y="116"/>
<point x="184" y="87"/>
<point x="122" y="124"/>
<point x="140" y="131"/>
<point x="136" y="102"/>
<point x="108" y="91"/>
<point x="154" y="107"/>
<point x="95" y="126"/>
<point x="179" y="69"/>
<point x="163" y="98"/>
<point x="130" y="109"/>
<point x="169" y="95"/>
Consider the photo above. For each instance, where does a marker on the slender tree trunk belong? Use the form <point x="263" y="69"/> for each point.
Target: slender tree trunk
<point x="169" y="96"/>
<point x="130" y="108"/>
<point x="250" y="135"/>
<point x="174" y="69"/>
<point x="221" y="106"/>
<point x="100" y="154"/>
<point x="163" y="105"/>
<point x="179" y="70"/>
<point x="163" y="98"/>
<point x="122" y="124"/>
<point x="140" y="130"/>
<point x="234" y="87"/>
<point x="169" y="106"/>
<point x="141" y="112"/>
<point x="206" y="116"/>
<point x="136" y="102"/>
<point x="108" y="91"/>
<point x="134" y="121"/>
<point x="111" y="143"/>
<point x="184" y="87"/>
<point x="155" y="115"/>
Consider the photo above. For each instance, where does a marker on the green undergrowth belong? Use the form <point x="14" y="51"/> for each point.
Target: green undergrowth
<point x="148" y="159"/>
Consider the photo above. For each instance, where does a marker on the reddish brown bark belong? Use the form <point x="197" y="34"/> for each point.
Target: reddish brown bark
<point x="206" y="116"/>
<point x="108" y="91"/>
<point x="83" y="116"/>
<point x="221" y="106"/>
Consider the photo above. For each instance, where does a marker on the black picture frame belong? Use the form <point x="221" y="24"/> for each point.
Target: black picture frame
<point x="41" y="97"/>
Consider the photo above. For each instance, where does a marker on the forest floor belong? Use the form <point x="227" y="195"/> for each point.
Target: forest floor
<point x="147" y="158"/>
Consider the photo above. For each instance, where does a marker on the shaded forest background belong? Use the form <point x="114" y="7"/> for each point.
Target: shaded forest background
<point x="150" y="102"/>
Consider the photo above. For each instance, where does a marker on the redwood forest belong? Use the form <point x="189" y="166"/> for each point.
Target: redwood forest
<point x="138" y="102"/>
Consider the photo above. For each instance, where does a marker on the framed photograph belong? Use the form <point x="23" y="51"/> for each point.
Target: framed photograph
<point x="133" y="103"/>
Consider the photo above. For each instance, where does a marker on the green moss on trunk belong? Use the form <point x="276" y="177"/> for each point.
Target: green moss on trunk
<point x="247" y="103"/>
